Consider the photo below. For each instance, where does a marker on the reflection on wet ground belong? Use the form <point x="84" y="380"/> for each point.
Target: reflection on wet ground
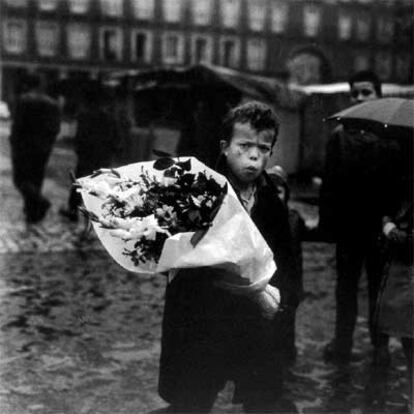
<point x="79" y="335"/>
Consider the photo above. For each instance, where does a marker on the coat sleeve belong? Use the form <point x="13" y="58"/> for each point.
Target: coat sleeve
<point x="286" y="275"/>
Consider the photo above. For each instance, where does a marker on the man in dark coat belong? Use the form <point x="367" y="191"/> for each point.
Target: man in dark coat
<point x="95" y="141"/>
<point x="211" y="335"/>
<point x="36" y="123"/>
<point x="358" y="189"/>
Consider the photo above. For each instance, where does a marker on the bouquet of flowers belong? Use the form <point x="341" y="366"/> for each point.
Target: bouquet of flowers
<point x="169" y="214"/>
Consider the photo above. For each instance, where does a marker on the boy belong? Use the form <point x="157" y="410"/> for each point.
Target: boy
<point x="209" y="334"/>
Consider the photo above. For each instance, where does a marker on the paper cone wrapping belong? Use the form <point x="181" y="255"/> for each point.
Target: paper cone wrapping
<point x="232" y="244"/>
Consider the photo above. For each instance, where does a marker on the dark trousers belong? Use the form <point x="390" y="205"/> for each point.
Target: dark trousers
<point x="28" y="176"/>
<point x="351" y="255"/>
<point x="211" y="336"/>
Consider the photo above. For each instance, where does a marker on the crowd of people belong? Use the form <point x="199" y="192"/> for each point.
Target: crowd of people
<point x="210" y="335"/>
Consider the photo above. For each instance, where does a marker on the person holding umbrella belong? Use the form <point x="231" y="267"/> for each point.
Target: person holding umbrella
<point x="358" y="189"/>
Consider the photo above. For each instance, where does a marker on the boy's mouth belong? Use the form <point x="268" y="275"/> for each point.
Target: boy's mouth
<point x="251" y="169"/>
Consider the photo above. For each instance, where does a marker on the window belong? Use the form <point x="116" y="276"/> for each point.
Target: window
<point x="172" y="10"/>
<point x="141" y="46"/>
<point x="344" y="25"/>
<point x="279" y="15"/>
<point x="78" y="6"/>
<point x="201" y="11"/>
<point x="143" y="9"/>
<point x="47" y="38"/>
<point x="363" y="24"/>
<point x="79" y="41"/>
<point x="311" y="20"/>
<point x="383" y="65"/>
<point x="256" y="54"/>
<point x="14" y="36"/>
<point x="112" y="8"/>
<point x="257" y="14"/>
<point x="110" y="44"/>
<point x="361" y="62"/>
<point x="172" y="48"/>
<point x="201" y="49"/>
<point x="230" y="52"/>
<point x="230" y="13"/>
<point x="48" y="5"/>
<point x="385" y="29"/>
<point x="16" y="3"/>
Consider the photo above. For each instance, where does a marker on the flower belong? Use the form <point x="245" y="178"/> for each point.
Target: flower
<point x="150" y="209"/>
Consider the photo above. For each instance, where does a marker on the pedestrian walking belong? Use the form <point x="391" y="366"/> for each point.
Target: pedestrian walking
<point x="358" y="189"/>
<point x="36" y="124"/>
<point x="95" y="141"/>
<point x="298" y="232"/>
<point x="211" y="335"/>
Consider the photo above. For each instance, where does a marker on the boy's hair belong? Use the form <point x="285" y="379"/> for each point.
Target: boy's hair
<point x="367" y="76"/>
<point x="259" y="115"/>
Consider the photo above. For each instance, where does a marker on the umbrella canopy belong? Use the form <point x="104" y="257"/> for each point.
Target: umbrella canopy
<point x="386" y="111"/>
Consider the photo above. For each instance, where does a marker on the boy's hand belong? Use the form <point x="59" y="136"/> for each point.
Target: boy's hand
<point x="268" y="301"/>
<point x="397" y="236"/>
<point x="392" y="233"/>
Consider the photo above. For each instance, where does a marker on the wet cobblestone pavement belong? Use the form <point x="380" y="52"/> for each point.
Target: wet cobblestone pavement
<point x="78" y="335"/>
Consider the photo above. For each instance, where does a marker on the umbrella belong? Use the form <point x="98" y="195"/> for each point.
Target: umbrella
<point x="397" y="112"/>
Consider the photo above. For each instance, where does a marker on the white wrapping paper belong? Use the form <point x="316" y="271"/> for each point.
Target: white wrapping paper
<point x="232" y="243"/>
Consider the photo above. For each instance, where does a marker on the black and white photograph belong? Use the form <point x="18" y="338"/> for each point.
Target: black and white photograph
<point x="206" y="206"/>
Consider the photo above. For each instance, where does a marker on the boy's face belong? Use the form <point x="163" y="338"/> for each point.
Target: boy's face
<point x="247" y="152"/>
<point x="362" y="92"/>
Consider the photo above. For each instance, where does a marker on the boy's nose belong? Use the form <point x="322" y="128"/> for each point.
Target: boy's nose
<point x="254" y="153"/>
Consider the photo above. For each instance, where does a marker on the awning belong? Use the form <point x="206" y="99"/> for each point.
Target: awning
<point x="266" y="89"/>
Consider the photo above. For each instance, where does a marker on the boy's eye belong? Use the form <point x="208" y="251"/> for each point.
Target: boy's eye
<point x="264" y="150"/>
<point x="243" y="145"/>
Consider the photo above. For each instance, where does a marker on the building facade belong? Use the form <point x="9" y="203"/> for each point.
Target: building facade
<point x="308" y="41"/>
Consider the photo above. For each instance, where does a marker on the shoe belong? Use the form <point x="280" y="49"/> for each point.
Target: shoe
<point x="71" y="215"/>
<point x="334" y="354"/>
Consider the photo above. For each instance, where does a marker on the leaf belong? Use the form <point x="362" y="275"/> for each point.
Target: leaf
<point x="115" y="173"/>
<point x="170" y="172"/>
<point x="163" y="163"/>
<point x="187" y="179"/>
<point x="185" y="165"/>
<point x="197" y="236"/>
<point x="194" y="216"/>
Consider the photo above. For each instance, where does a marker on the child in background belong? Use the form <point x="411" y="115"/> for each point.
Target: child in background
<point x="210" y="335"/>
<point x="298" y="230"/>
<point x="395" y="307"/>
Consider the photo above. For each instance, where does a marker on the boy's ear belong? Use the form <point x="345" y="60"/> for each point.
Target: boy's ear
<point x="223" y="146"/>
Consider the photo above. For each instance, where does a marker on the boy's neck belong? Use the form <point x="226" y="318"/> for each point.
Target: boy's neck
<point x="240" y="186"/>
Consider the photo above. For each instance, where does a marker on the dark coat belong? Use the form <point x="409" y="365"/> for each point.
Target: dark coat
<point x="36" y="123"/>
<point x="95" y="140"/>
<point x="210" y="335"/>
<point x="359" y="183"/>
